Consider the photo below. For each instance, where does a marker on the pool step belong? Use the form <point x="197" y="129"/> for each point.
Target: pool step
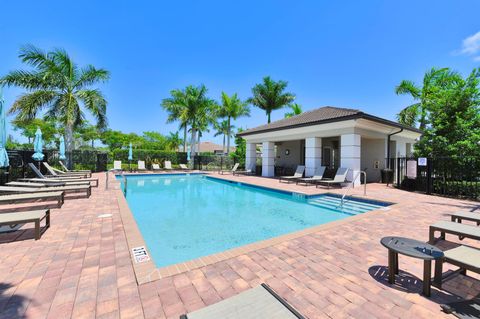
<point x="349" y="206"/>
<point x="347" y="201"/>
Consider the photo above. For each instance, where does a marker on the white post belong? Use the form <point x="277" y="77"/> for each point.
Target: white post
<point x="251" y="156"/>
<point x="350" y="155"/>
<point x="268" y="159"/>
<point x="313" y="155"/>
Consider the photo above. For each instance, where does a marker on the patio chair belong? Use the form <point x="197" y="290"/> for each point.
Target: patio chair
<point x="317" y="176"/>
<point x="184" y="167"/>
<point x="167" y="165"/>
<point x="141" y="166"/>
<point x="464" y="257"/>
<point x="33" y="216"/>
<point x="248" y="171"/>
<point x="43" y="178"/>
<point x="87" y="189"/>
<point x="291" y="179"/>
<point x="56" y="172"/>
<point x="117" y="165"/>
<point x="156" y="167"/>
<point x="461" y="216"/>
<point x="232" y="171"/>
<point x="340" y="177"/>
<point x="462" y="230"/>
<point x="258" y="302"/>
<point x="33" y="197"/>
<point x="87" y="171"/>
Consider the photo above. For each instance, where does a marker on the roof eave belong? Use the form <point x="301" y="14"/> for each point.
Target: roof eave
<point x="359" y="115"/>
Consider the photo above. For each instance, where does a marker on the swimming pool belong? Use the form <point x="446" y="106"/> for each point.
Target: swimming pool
<point x="183" y="217"/>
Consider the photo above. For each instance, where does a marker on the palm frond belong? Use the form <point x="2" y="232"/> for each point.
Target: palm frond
<point x="28" y="105"/>
<point x="90" y="75"/>
<point x="95" y="102"/>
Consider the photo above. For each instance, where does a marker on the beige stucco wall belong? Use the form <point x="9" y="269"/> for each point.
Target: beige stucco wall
<point x="372" y="150"/>
<point x="294" y="158"/>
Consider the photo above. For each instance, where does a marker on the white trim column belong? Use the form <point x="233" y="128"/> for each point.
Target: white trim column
<point x="313" y="155"/>
<point x="268" y="159"/>
<point x="350" y="145"/>
<point x="251" y="156"/>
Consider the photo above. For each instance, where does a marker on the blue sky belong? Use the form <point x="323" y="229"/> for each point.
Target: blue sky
<point x="339" y="53"/>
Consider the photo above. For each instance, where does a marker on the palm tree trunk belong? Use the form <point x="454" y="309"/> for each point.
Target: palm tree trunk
<point x="185" y="138"/>
<point x="228" y="138"/>
<point x="192" y="143"/>
<point x="198" y="149"/>
<point x="268" y="115"/>
<point x="223" y="149"/>
<point x="69" y="144"/>
<point x="93" y="145"/>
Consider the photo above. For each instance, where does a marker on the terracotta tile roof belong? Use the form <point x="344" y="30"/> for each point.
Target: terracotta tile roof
<point x="317" y="116"/>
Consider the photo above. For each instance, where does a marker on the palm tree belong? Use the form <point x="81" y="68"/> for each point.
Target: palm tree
<point x="174" y="141"/>
<point x="296" y="109"/>
<point x="417" y="112"/>
<point x="193" y="108"/>
<point x="58" y="86"/>
<point x="225" y="129"/>
<point x="175" y="106"/>
<point x="270" y="95"/>
<point x="232" y="108"/>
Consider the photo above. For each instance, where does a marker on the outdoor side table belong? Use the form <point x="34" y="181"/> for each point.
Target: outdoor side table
<point x="411" y="248"/>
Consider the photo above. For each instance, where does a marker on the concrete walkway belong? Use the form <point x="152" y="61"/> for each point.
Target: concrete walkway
<point x="81" y="267"/>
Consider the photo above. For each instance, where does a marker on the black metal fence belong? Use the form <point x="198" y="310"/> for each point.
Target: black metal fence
<point x="455" y="177"/>
<point x="19" y="159"/>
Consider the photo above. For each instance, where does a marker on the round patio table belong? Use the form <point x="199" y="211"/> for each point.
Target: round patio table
<point x="415" y="249"/>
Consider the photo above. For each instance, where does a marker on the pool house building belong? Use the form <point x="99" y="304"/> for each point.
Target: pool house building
<point x="332" y="137"/>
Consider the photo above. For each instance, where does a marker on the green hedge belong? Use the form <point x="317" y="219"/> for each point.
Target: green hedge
<point x="149" y="156"/>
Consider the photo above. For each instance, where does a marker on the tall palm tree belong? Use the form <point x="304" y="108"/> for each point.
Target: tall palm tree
<point x="296" y="110"/>
<point x="175" y="106"/>
<point x="192" y="107"/>
<point x="417" y="112"/>
<point x="232" y="108"/>
<point x="57" y="85"/>
<point x="225" y="129"/>
<point x="270" y="95"/>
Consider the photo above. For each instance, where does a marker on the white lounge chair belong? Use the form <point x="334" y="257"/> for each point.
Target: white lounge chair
<point x="340" y="177"/>
<point x="56" y="172"/>
<point x="232" y="171"/>
<point x="156" y="167"/>
<point x="184" y="167"/>
<point x="117" y="165"/>
<point x="75" y="170"/>
<point x="317" y="176"/>
<point x="298" y="174"/>
<point x="141" y="166"/>
<point x="168" y="165"/>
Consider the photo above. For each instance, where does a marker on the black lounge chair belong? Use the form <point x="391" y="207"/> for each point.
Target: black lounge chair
<point x="340" y="177"/>
<point x="291" y="179"/>
<point x="317" y="176"/>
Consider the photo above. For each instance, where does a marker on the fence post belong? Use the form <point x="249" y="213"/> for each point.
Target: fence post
<point x="429" y="176"/>
<point x="398" y="172"/>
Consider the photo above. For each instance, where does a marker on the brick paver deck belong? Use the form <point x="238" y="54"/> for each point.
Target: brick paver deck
<point x="81" y="267"/>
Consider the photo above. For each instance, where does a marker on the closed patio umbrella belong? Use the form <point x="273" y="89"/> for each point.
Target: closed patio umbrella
<point x="3" y="135"/>
<point x="38" y="146"/>
<point x="62" y="149"/>
<point x="130" y="156"/>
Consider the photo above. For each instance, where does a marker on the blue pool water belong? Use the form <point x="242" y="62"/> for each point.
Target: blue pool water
<point x="183" y="217"/>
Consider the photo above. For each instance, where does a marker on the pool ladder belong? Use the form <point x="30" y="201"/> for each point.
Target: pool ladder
<point x="124" y="180"/>
<point x="352" y="184"/>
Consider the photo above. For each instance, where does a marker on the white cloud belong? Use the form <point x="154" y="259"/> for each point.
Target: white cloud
<point x="471" y="46"/>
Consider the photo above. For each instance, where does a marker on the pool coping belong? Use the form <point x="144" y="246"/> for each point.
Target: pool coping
<point x="147" y="271"/>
